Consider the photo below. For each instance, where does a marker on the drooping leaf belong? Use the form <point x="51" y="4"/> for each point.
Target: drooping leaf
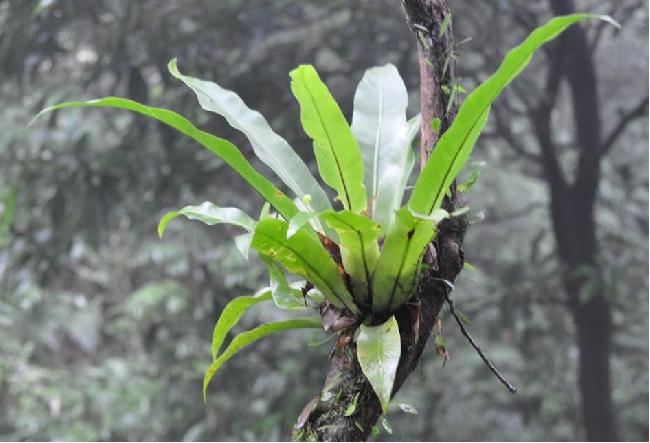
<point x="218" y="146"/>
<point x="305" y="256"/>
<point x="378" y="352"/>
<point x="380" y="103"/>
<point x="230" y="317"/>
<point x="284" y="295"/>
<point x="455" y="146"/>
<point x="359" y="248"/>
<point x="337" y="152"/>
<point x="269" y="147"/>
<point x="246" y="338"/>
<point x="210" y="214"/>
<point x="398" y="267"/>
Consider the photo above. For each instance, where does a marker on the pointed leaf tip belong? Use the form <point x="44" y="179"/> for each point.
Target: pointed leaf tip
<point x="172" y="67"/>
<point x="164" y="221"/>
<point x="610" y="20"/>
<point x="246" y="338"/>
<point x="378" y="352"/>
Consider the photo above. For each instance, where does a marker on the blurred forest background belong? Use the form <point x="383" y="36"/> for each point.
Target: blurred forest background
<point x="105" y="329"/>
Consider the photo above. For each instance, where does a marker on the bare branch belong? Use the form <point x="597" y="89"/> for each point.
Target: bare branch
<point x="469" y="338"/>
<point x="627" y="117"/>
<point x="505" y="131"/>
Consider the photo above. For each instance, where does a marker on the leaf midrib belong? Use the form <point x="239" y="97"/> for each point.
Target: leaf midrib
<point x="363" y="252"/>
<point x="294" y="186"/>
<point x="308" y="266"/>
<point x="331" y="145"/>
<point x="483" y="110"/>
<point x="375" y="166"/>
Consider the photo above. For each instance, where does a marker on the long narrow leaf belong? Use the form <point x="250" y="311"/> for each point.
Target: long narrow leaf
<point x="218" y="146"/>
<point x="396" y="170"/>
<point x="210" y="214"/>
<point x="303" y="255"/>
<point x="230" y="317"/>
<point x="359" y="248"/>
<point x="455" y="146"/>
<point x="397" y="270"/>
<point x="246" y="338"/>
<point x="267" y="144"/>
<point x="379" y="114"/>
<point x="337" y="152"/>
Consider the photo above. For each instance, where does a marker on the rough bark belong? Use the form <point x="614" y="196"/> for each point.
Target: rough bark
<point x="323" y="418"/>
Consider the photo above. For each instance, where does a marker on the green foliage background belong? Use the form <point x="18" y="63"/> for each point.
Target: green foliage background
<point x="105" y="329"/>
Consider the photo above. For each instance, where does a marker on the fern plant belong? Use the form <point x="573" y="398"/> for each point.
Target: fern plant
<point x="360" y="257"/>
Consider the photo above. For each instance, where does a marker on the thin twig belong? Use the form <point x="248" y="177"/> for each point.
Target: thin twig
<point x="469" y="338"/>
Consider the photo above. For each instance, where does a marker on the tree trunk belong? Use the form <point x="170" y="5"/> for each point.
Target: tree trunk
<point x="572" y="208"/>
<point x="323" y="418"/>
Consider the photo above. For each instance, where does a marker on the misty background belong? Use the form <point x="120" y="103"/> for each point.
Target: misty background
<point x="105" y="329"/>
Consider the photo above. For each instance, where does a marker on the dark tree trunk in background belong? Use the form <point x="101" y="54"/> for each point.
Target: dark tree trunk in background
<point x="323" y="418"/>
<point x="572" y="208"/>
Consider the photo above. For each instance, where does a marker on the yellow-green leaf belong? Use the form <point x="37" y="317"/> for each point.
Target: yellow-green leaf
<point x="456" y="144"/>
<point x="218" y="146"/>
<point x="336" y="149"/>
<point x="230" y="317"/>
<point x="246" y="338"/>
